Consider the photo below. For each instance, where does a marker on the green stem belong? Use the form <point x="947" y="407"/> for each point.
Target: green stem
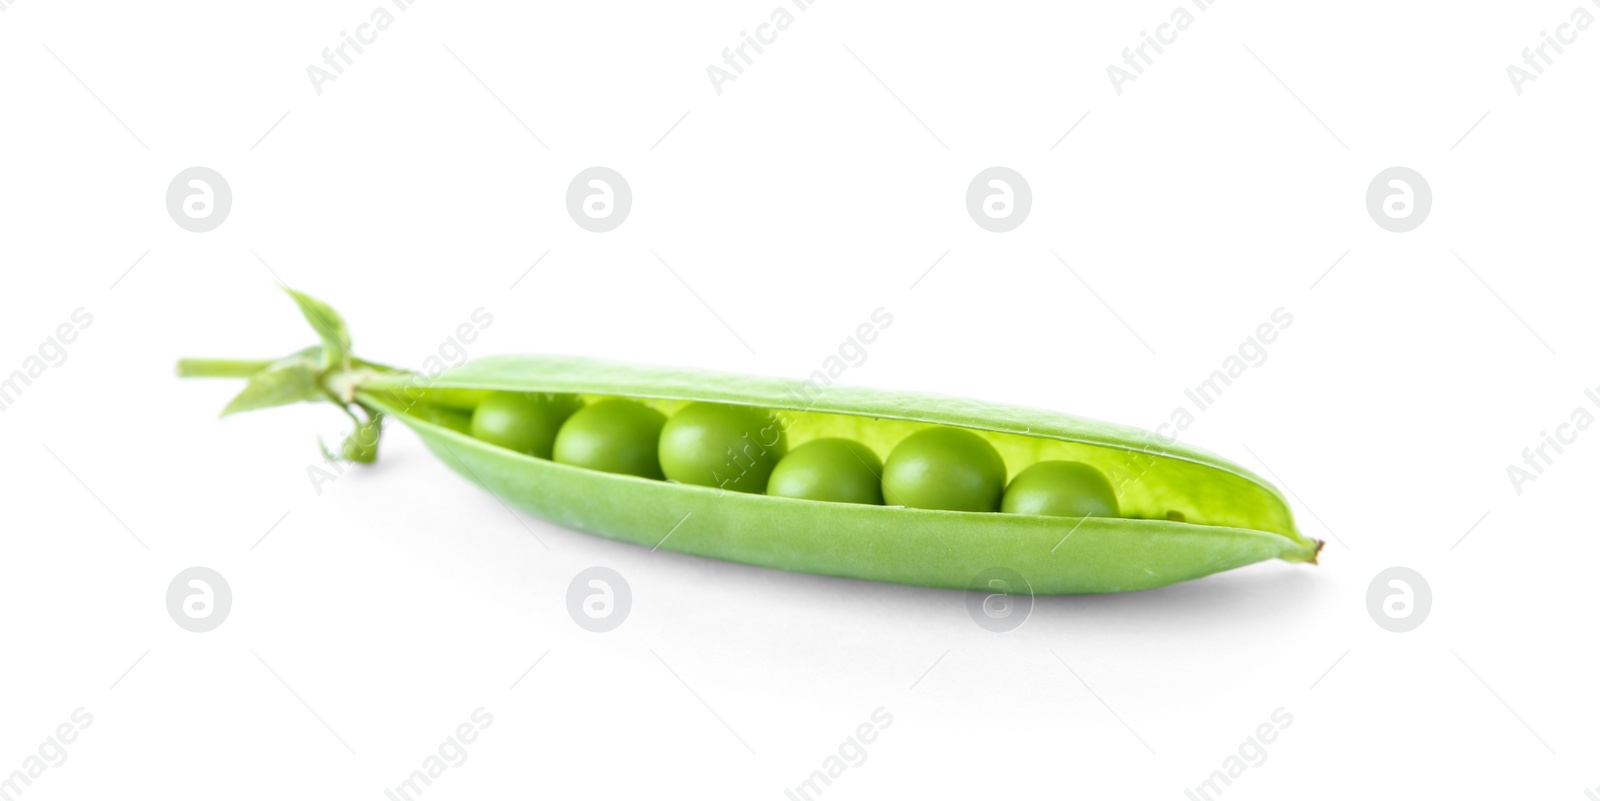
<point x="221" y="368"/>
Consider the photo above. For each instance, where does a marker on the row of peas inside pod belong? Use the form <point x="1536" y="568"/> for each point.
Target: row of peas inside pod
<point x="745" y="449"/>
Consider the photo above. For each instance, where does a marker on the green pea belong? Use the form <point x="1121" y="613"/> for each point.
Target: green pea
<point x="613" y="436"/>
<point x="1060" y="489"/>
<point x="836" y="470"/>
<point x="525" y="422"/>
<point x="716" y="445"/>
<point x="944" y="468"/>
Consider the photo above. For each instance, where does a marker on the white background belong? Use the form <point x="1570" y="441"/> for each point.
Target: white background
<point x="823" y="183"/>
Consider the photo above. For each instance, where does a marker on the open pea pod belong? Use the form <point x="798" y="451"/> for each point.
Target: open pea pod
<point x="1185" y="513"/>
<point x="1229" y="517"/>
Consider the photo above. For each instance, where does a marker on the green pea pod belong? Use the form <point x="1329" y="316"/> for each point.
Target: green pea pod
<point x="1186" y="513"/>
<point x="1231" y="517"/>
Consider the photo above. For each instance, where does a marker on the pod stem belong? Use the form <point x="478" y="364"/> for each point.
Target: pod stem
<point x="326" y="372"/>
